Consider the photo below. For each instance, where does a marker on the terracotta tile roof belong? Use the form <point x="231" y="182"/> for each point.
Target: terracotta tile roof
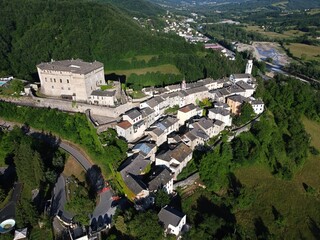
<point x="124" y="124"/>
<point x="187" y="108"/>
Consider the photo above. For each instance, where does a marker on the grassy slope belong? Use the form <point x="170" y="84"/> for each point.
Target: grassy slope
<point x="165" y="68"/>
<point x="288" y="197"/>
<point x="297" y="49"/>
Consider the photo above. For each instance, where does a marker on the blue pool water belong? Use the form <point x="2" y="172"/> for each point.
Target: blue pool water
<point x="2" y="83"/>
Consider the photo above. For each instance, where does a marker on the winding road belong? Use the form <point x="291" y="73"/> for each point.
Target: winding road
<point x="103" y="212"/>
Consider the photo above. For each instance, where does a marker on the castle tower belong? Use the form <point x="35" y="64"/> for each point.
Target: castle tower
<point x="249" y="67"/>
<point x="184" y="85"/>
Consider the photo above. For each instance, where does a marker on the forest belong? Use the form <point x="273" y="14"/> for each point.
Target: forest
<point x="35" y="162"/>
<point x="36" y="31"/>
<point x="73" y="127"/>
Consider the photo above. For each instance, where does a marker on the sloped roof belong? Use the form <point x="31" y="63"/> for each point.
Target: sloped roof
<point x="199" y="133"/>
<point x="103" y="93"/>
<point x="181" y="152"/>
<point x="169" y="215"/>
<point x="20" y="234"/>
<point x="160" y="177"/>
<point x="75" y="66"/>
<point x="124" y="124"/>
<point x="166" y="123"/>
<point x="244" y="85"/>
<point x="205" y="123"/>
<point x="145" y="148"/>
<point x="238" y="98"/>
<point x="241" y="75"/>
<point x="221" y="111"/>
<point x="146" y="111"/>
<point x="133" y="113"/>
<point x="187" y="108"/>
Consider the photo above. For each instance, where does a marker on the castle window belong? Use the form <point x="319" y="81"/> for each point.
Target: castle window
<point x="61" y="88"/>
<point x="67" y="80"/>
<point x="50" y="79"/>
<point x="52" y="86"/>
<point x="60" y="80"/>
<point x="68" y="88"/>
<point x="54" y="80"/>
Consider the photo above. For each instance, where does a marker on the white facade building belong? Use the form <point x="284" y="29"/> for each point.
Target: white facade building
<point x="72" y="79"/>
<point x="172" y="220"/>
<point x="105" y="98"/>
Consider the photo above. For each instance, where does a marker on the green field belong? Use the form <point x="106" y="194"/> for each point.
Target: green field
<point x="300" y="210"/>
<point x="137" y="94"/>
<point x="165" y="68"/>
<point x="146" y="58"/>
<point x="286" y="34"/>
<point x="281" y="4"/>
<point x="298" y="49"/>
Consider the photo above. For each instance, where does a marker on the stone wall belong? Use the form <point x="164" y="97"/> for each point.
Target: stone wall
<point x="70" y="106"/>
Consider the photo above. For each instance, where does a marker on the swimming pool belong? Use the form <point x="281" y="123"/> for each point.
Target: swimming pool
<point x="2" y="83"/>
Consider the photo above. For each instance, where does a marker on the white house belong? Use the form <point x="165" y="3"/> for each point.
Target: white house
<point x="220" y="114"/>
<point x="157" y="135"/>
<point x="207" y="126"/>
<point x="257" y="105"/>
<point x="106" y="98"/>
<point x="133" y="116"/>
<point x="148" y="115"/>
<point x="248" y="89"/>
<point x="125" y="130"/>
<point x="187" y="112"/>
<point x="234" y="78"/>
<point x="172" y="220"/>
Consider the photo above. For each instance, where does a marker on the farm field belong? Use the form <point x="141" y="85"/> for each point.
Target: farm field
<point x="285" y="34"/>
<point x="165" y="68"/>
<point x="300" y="209"/>
<point x="298" y="49"/>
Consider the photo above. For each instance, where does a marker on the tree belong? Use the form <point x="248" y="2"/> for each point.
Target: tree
<point x="162" y="198"/>
<point x="215" y="167"/>
<point x="150" y="229"/>
<point x="245" y="115"/>
<point x="120" y="225"/>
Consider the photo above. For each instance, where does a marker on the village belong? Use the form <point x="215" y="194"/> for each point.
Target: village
<point x="162" y="131"/>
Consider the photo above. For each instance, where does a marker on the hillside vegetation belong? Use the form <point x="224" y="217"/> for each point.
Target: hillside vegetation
<point x="32" y="31"/>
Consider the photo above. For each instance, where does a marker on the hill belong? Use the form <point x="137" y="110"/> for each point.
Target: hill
<point x="32" y="31"/>
<point x="137" y="7"/>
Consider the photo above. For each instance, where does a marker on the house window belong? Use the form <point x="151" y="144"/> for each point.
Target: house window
<point x="60" y="80"/>
<point x="54" y="80"/>
<point x="67" y="80"/>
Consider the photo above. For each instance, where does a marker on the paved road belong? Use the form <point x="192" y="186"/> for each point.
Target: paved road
<point x="85" y="163"/>
<point x="103" y="209"/>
